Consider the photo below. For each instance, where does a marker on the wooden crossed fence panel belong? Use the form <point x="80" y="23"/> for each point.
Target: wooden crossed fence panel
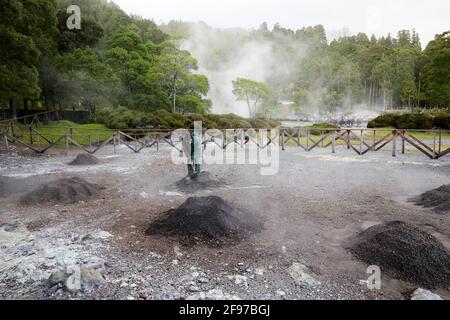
<point x="362" y="146"/>
<point x="9" y="135"/>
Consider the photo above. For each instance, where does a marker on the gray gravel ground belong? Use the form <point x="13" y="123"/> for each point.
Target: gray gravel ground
<point x="310" y="209"/>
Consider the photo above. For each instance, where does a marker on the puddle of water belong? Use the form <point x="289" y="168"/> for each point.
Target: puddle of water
<point x="244" y="188"/>
<point x="58" y="167"/>
<point x="335" y="158"/>
<point x="356" y="158"/>
<point x="171" y="194"/>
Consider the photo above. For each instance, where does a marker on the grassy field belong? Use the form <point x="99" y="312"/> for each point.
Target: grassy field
<point x="82" y="133"/>
<point x="417" y="134"/>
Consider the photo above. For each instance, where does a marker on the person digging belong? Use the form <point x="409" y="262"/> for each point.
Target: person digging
<point x="192" y="149"/>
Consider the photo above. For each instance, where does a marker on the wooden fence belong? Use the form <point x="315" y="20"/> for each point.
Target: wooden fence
<point x="432" y="143"/>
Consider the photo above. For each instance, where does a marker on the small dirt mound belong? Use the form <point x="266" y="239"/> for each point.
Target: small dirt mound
<point x="201" y="181"/>
<point x="439" y="199"/>
<point x="10" y="186"/>
<point x="85" y="159"/>
<point x="64" y="191"/>
<point x="206" y="219"/>
<point x="405" y="253"/>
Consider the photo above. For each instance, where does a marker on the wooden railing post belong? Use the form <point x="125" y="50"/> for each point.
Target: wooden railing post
<point x="394" y="144"/>
<point x="403" y="142"/>
<point x="67" y="144"/>
<point x="30" y="132"/>
<point x="333" y="141"/>
<point x="6" y="142"/>
<point x="348" y="139"/>
<point x="321" y="138"/>
<point x="114" y="142"/>
<point x="282" y="139"/>
<point x="307" y="139"/>
<point x="361" y="140"/>
<point x="434" y="144"/>
<point x="241" y="137"/>
<point x="11" y="129"/>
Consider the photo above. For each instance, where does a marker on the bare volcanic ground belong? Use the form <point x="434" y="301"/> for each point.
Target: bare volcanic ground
<point x="406" y="253"/>
<point x="64" y="191"/>
<point x="439" y="199"/>
<point x="9" y="186"/>
<point x="200" y="181"/>
<point x="206" y="219"/>
<point x="85" y="159"/>
<point x="310" y="208"/>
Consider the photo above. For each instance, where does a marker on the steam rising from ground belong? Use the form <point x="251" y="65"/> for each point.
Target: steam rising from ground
<point x="226" y="54"/>
<point x="239" y="54"/>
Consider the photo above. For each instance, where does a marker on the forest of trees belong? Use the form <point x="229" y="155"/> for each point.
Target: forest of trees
<point x="113" y="60"/>
<point x="121" y="60"/>
<point x="314" y="73"/>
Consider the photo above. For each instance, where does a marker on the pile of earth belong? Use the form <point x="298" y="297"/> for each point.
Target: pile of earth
<point x="85" y="159"/>
<point x="405" y="253"/>
<point x="439" y="199"/>
<point x="64" y="191"/>
<point x="10" y="186"/>
<point x="199" y="181"/>
<point x="209" y="220"/>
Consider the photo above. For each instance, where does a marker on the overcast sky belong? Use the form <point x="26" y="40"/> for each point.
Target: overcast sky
<point x="345" y="16"/>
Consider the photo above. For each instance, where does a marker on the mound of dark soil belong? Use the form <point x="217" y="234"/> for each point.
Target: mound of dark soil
<point x="439" y="199"/>
<point x="64" y="191"/>
<point x="206" y="219"/>
<point x="405" y="253"/>
<point x="85" y="159"/>
<point x="10" y="186"/>
<point x="201" y="181"/>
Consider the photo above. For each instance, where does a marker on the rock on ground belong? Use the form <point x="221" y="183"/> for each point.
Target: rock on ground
<point x="422" y="294"/>
<point x="301" y="274"/>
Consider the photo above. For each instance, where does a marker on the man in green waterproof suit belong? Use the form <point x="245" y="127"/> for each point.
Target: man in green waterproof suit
<point x="192" y="146"/>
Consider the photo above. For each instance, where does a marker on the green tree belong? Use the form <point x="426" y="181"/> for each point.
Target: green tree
<point x="252" y="92"/>
<point x="26" y="33"/>
<point x="436" y="75"/>
<point x="86" y="80"/>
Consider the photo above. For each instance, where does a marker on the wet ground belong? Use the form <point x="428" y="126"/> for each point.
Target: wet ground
<point x="310" y="208"/>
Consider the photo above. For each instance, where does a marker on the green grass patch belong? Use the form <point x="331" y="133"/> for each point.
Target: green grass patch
<point x="81" y="133"/>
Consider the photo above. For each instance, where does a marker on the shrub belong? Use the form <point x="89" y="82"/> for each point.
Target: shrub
<point x="260" y="124"/>
<point x="118" y="118"/>
<point x="123" y="118"/>
<point x="412" y="120"/>
<point x="321" y="126"/>
<point x="387" y="120"/>
<point x="229" y="121"/>
<point x="442" y="120"/>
